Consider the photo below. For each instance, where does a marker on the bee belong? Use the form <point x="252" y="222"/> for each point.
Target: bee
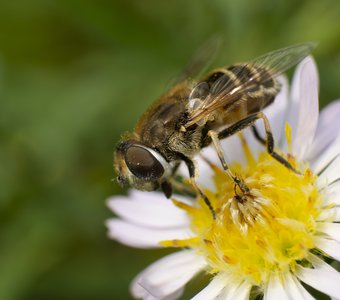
<point x="191" y="117"/>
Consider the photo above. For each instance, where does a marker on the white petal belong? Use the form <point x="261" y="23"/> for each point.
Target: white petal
<point x="335" y="214"/>
<point x="227" y="292"/>
<point x="205" y="173"/>
<point x="232" y="148"/>
<point x="177" y="294"/>
<point x="331" y="229"/>
<point x="330" y="215"/>
<point x="276" y="112"/>
<point x="330" y="174"/>
<point x="295" y="289"/>
<point x="174" y="295"/>
<point x="213" y="289"/>
<point x="328" y="128"/>
<point x="333" y="193"/>
<point x="275" y="290"/>
<point x="323" y="278"/>
<point x="318" y="263"/>
<point x="224" y="287"/>
<point x="305" y="89"/>
<point x="137" y="290"/>
<point x="168" y="274"/>
<point x="331" y="247"/>
<point x="326" y="157"/>
<point x="142" y="237"/>
<point x="241" y="293"/>
<point x="254" y="145"/>
<point x="148" y="209"/>
<point x="286" y="288"/>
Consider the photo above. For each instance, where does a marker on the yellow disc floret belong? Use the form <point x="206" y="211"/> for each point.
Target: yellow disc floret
<point x="269" y="230"/>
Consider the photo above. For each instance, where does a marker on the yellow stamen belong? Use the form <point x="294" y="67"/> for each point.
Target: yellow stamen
<point x="288" y="132"/>
<point x="188" y="208"/>
<point x="249" y="156"/>
<point x="192" y="242"/>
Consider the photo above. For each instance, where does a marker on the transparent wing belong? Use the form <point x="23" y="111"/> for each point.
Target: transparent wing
<point x="227" y="90"/>
<point x="201" y="59"/>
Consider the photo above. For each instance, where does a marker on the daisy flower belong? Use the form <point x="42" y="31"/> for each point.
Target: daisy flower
<point x="277" y="242"/>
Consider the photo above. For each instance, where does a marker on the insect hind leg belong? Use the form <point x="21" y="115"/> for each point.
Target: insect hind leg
<point x="269" y="142"/>
<point x="257" y="135"/>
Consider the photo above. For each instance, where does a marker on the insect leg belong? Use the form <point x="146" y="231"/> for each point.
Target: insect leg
<point x="182" y="188"/>
<point x="249" y="121"/>
<point x="178" y="185"/>
<point x="216" y="141"/>
<point x="257" y="135"/>
<point x="166" y="187"/>
<point x="270" y="144"/>
<point x="192" y="173"/>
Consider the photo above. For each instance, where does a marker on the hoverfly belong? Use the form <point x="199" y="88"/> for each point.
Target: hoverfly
<point x="190" y="117"/>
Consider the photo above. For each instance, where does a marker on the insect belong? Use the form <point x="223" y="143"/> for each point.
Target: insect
<point x="190" y="117"/>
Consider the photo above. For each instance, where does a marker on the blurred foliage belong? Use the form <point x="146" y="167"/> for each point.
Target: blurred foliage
<point x="76" y="74"/>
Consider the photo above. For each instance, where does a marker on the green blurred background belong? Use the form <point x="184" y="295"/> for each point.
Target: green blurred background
<point x="76" y="74"/>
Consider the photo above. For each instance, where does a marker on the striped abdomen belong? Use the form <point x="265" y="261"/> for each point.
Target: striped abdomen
<point x="258" y="90"/>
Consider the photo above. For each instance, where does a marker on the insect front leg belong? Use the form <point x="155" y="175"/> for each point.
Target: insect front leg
<point x="178" y="185"/>
<point x="182" y="188"/>
<point x="192" y="173"/>
<point x="249" y="121"/>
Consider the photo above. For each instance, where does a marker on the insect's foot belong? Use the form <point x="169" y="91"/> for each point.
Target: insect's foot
<point x="243" y="187"/>
<point x="283" y="161"/>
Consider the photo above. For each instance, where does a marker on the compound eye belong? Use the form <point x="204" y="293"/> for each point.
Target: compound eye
<point x="143" y="164"/>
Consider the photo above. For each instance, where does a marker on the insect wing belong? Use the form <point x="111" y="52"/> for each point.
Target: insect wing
<point x="201" y="60"/>
<point x="227" y="90"/>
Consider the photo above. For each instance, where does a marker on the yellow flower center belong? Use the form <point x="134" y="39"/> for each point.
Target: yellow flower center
<point x="267" y="231"/>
